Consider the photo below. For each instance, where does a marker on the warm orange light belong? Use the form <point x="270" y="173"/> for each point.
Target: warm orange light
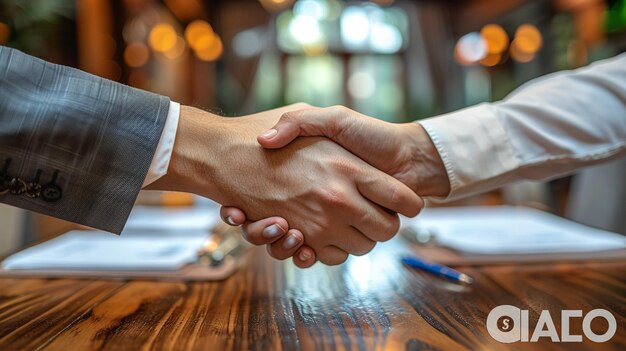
<point x="136" y="54"/>
<point x="5" y="33"/>
<point x="177" y="50"/>
<point x="528" y="38"/>
<point x="162" y="37"/>
<point x="276" y="5"/>
<point x="196" y="30"/>
<point x="496" y="38"/>
<point x="491" y="60"/>
<point x="210" y="49"/>
<point x="518" y="54"/>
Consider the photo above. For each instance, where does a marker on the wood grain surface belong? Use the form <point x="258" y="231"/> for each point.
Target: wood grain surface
<point x="369" y="303"/>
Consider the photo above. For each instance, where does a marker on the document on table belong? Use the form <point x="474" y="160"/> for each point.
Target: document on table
<point x="172" y="218"/>
<point x="498" y="230"/>
<point x="92" y="250"/>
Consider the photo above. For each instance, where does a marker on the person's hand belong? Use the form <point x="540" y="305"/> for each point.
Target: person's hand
<point x="270" y="232"/>
<point x="342" y="204"/>
<point x="404" y="151"/>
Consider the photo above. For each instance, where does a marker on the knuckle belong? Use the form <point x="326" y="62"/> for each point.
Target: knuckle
<point x="335" y="196"/>
<point x="343" y="166"/>
<point x="291" y="116"/>
<point x="339" y="109"/>
<point x="395" y="198"/>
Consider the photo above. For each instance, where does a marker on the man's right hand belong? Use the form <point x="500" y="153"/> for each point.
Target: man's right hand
<point x="404" y="151"/>
<point x="342" y="204"/>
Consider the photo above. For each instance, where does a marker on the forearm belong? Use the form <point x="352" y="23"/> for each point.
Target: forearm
<point x="547" y="128"/>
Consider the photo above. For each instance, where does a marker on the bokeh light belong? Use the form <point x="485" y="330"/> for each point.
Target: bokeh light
<point x="162" y="37"/>
<point x="518" y="54"/>
<point x="248" y="43"/>
<point x="136" y="54"/>
<point x="177" y="50"/>
<point x="209" y="48"/>
<point x="470" y="49"/>
<point x="196" y="31"/>
<point x="305" y="29"/>
<point x="496" y="38"/>
<point x="491" y="60"/>
<point x="528" y="39"/>
<point x="355" y="26"/>
<point x="361" y="85"/>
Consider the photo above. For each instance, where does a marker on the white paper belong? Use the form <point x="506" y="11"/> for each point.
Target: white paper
<point x="511" y="230"/>
<point x="172" y="218"/>
<point x="92" y="250"/>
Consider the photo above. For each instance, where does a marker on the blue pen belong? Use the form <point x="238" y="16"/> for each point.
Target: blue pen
<point x="437" y="269"/>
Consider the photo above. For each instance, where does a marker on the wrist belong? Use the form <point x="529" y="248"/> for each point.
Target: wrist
<point x="431" y="177"/>
<point x="195" y="155"/>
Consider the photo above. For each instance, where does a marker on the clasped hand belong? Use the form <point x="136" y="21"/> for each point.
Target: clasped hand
<point x="355" y="206"/>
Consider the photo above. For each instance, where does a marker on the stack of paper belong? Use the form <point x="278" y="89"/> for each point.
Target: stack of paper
<point x="501" y="230"/>
<point x="91" y="250"/>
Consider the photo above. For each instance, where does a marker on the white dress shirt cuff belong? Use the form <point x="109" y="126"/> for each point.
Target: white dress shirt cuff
<point x="474" y="147"/>
<point x="163" y="154"/>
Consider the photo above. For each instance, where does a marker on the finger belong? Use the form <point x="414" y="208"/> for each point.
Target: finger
<point x="332" y="255"/>
<point x="305" y="257"/>
<point x="232" y="215"/>
<point x="265" y="231"/>
<point x="389" y="193"/>
<point x="374" y="222"/>
<point x="307" y="122"/>
<point x="352" y="241"/>
<point x="286" y="246"/>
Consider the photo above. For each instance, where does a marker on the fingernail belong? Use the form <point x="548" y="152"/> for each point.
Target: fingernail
<point x="272" y="231"/>
<point x="304" y="255"/>
<point x="291" y="242"/>
<point x="230" y="220"/>
<point x="269" y="133"/>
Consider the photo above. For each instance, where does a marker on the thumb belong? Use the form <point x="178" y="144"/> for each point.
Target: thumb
<point x="308" y="122"/>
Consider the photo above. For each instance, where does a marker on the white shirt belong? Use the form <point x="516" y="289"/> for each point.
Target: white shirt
<point x="163" y="154"/>
<point x="548" y="127"/>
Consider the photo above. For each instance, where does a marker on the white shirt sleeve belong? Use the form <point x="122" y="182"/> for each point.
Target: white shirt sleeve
<point x="547" y="128"/>
<point x="163" y="154"/>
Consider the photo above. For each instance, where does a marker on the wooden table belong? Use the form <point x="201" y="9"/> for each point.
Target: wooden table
<point x="371" y="302"/>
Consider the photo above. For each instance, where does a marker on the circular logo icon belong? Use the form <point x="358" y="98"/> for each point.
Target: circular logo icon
<point x="505" y="323"/>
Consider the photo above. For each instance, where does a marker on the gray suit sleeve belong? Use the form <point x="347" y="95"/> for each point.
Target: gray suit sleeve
<point x="98" y="136"/>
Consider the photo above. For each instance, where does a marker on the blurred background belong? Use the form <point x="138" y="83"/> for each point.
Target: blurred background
<point x="395" y="60"/>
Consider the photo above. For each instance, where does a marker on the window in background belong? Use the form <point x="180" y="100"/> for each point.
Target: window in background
<point x="375" y="85"/>
<point x="317" y="80"/>
<point x="350" y="54"/>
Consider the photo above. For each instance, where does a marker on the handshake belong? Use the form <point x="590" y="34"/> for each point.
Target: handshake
<point x="310" y="183"/>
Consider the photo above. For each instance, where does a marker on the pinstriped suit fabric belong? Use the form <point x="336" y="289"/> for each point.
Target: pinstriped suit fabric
<point x="100" y="135"/>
